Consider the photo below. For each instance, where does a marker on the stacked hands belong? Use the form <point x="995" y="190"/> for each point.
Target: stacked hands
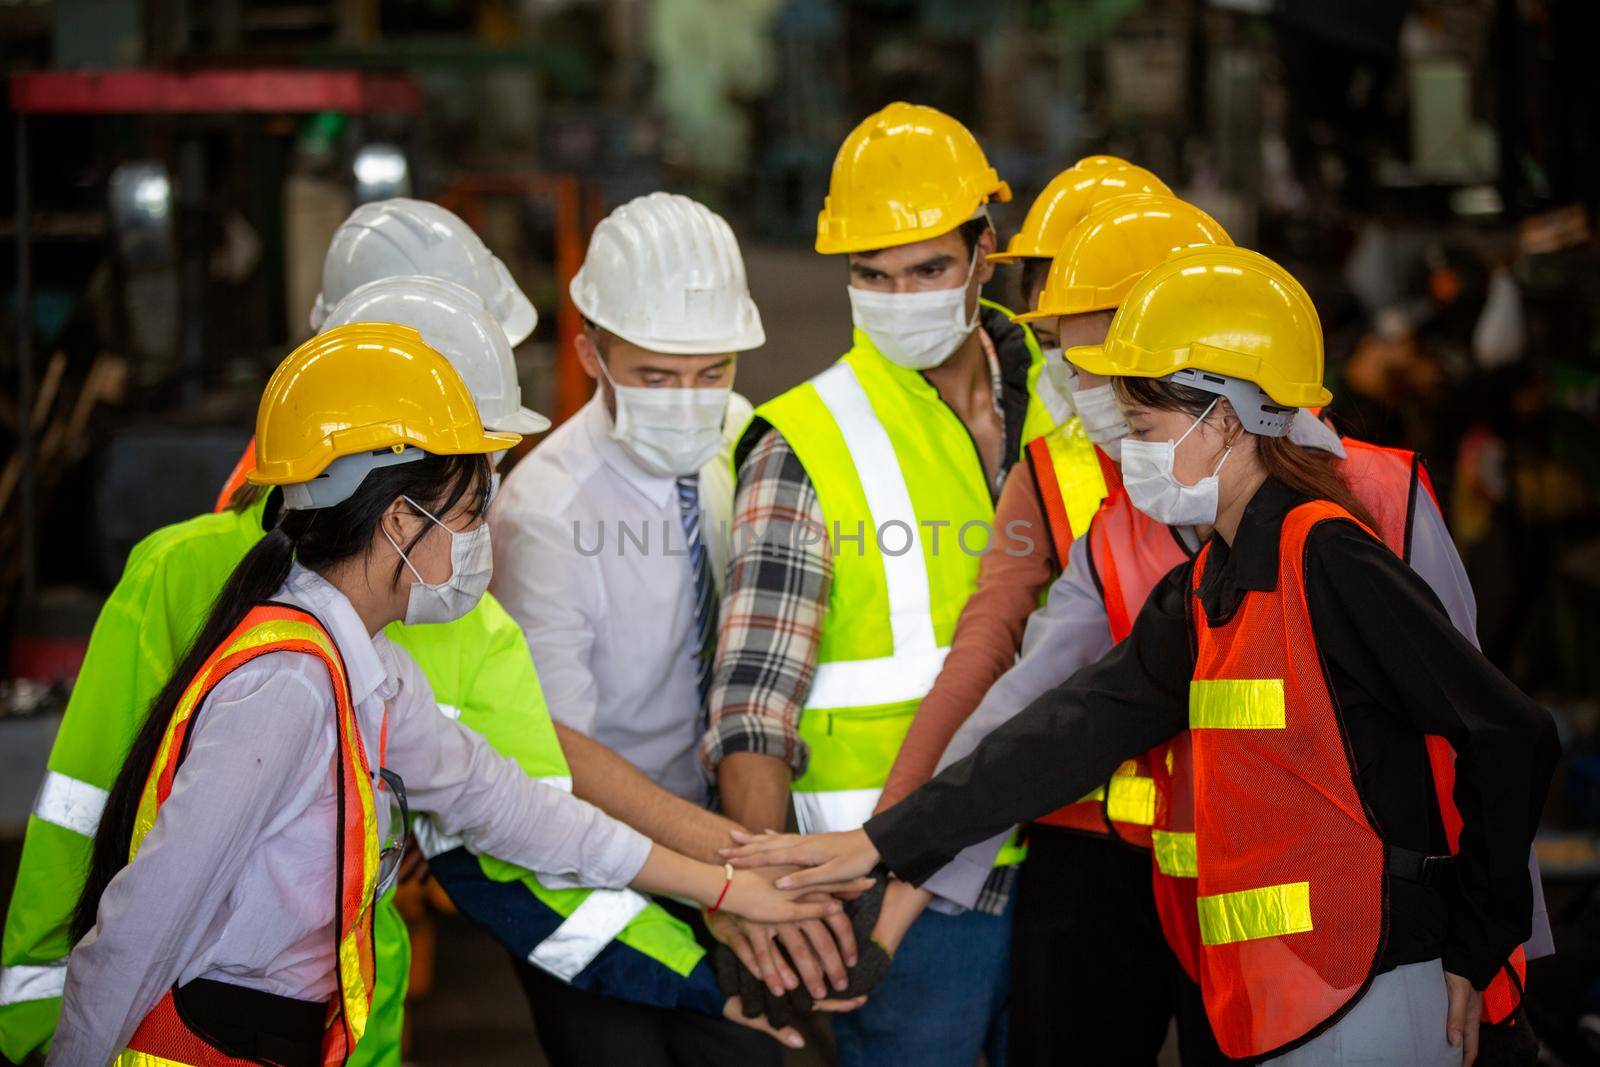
<point x="776" y="973"/>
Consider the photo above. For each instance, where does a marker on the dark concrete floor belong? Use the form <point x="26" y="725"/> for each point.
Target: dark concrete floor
<point x="476" y="1014"/>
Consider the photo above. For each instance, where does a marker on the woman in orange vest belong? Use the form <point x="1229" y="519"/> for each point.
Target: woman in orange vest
<point x="1351" y="906"/>
<point x="293" y="725"/>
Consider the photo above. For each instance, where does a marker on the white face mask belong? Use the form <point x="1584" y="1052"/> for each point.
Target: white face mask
<point x="1062" y="375"/>
<point x="916" y="330"/>
<point x="471" y="566"/>
<point x="671" y="432"/>
<point x="1102" y="418"/>
<point x="1155" y="490"/>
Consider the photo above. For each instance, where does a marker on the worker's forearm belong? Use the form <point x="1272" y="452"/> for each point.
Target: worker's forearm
<point x="625" y="793"/>
<point x="755" y="790"/>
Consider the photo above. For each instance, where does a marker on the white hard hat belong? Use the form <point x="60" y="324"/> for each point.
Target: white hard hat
<point x="453" y="321"/>
<point x="664" y="273"/>
<point x="401" y="236"/>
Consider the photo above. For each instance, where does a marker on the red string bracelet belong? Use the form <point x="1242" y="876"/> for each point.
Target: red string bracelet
<point x="725" y="887"/>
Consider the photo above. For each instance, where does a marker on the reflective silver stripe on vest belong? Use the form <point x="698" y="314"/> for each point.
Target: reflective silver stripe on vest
<point x="18" y="984"/>
<point x="909" y="673"/>
<point x="592" y="926"/>
<point x="70" y="803"/>
<point x="435" y="842"/>
<point x="865" y="683"/>
<point x="837" y="809"/>
<point x="1059" y="407"/>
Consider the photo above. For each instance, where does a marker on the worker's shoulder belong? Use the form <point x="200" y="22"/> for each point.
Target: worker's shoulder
<point x="550" y="480"/>
<point x="223" y="537"/>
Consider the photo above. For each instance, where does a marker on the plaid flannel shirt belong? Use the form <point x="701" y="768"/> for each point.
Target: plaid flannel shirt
<point x="779" y="573"/>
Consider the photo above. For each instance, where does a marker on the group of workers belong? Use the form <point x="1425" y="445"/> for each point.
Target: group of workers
<point x="1098" y="570"/>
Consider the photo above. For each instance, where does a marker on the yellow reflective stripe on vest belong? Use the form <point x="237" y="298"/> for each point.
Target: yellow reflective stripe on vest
<point x="1236" y="704"/>
<point x="129" y="1058"/>
<point x="1132" y="800"/>
<point x="1175" y="853"/>
<point x="582" y="936"/>
<point x="888" y="500"/>
<point x="357" y="998"/>
<point x="1079" y="479"/>
<point x="1249" y="914"/>
<point x="267" y="633"/>
<point x="70" y="803"/>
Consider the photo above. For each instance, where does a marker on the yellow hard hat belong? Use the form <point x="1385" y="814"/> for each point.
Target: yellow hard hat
<point x="906" y="174"/>
<point x="1069" y="197"/>
<point x="1226" y="311"/>
<point x="1118" y="243"/>
<point x="363" y="388"/>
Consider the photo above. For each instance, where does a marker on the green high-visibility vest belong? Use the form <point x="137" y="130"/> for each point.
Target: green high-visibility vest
<point x="908" y="513"/>
<point x="479" y="668"/>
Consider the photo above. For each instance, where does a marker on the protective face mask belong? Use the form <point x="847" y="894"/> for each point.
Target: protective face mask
<point x="915" y="330"/>
<point x="671" y="432"/>
<point x="1102" y="419"/>
<point x="1148" y="478"/>
<point x="1062" y="375"/>
<point x="471" y="566"/>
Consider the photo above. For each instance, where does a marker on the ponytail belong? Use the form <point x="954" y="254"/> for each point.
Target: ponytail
<point x="255" y="579"/>
<point x="318" y="539"/>
<point x="1308" y="471"/>
<point x="1313" y="473"/>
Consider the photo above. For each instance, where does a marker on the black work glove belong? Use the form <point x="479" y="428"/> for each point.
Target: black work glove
<point x="872" y="962"/>
<point x="755" y="999"/>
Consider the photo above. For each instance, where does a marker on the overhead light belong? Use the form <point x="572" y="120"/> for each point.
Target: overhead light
<point x="381" y="172"/>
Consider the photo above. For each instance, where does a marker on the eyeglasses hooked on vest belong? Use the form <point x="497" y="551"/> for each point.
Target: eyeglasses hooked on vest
<point x="398" y="834"/>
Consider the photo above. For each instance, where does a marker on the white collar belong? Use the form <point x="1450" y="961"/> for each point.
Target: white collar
<point x="363" y="664"/>
<point x="659" y="489"/>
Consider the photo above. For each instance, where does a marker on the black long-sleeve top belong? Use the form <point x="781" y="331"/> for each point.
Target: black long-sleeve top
<point x="1398" y="671"/>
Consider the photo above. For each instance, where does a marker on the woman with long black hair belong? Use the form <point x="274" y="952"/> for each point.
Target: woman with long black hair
<point x="1357" y="887"/>
<point x="226" y="917"/>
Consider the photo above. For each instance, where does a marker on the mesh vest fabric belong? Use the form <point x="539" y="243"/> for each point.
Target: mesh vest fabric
<point x="1289" y="870"/>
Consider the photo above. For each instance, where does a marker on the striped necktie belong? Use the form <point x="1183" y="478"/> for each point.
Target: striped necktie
<point x="705" y="601"/>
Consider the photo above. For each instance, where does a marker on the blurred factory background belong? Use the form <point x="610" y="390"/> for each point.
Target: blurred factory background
<point x="174" y="169"/>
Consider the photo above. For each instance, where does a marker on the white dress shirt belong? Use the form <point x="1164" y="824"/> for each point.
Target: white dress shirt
<point x="235" y="881"/>
<point x="591" y="560"/>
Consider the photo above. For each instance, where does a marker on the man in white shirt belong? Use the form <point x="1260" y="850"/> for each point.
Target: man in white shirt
<point x="610" y="537"/>
<point x="591" y="530"/>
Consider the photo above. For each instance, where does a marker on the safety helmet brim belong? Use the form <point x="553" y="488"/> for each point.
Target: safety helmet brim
<point x="522" y="421"/>
<point x="1112" y="360"/>
<point x="1009" y="256"/>
<point x="522" y="318"/>
<point x="743" y="340"/>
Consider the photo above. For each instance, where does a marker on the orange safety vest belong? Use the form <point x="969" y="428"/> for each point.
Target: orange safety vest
<point x="1124" y="806"/>
<point x="1290" y="871"/>
<point x="1380" y="476"/>
<point x="1131" y="553"/>
<point x="236" y="477"/>
<point x="162" y="1037"/>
